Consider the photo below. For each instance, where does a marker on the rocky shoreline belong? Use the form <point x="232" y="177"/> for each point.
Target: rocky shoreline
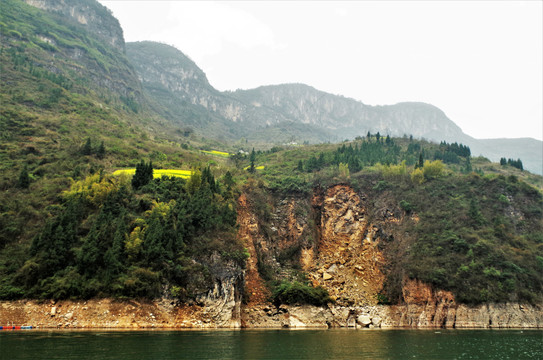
<point x="113" y="314"/>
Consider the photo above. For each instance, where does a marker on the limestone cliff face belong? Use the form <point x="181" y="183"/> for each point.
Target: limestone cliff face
<point x="348" y="118"/>
<point x="87" y="47"/>
<point x="96" y="18"/>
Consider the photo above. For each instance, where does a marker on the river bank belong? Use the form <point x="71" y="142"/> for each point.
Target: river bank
<point x="132" y="314"/>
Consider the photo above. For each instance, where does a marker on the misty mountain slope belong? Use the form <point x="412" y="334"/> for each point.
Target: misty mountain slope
<point x="347" y="118"/>
<point x="184" y="94"/>
<point x="529" y="150"/>
<point x="177" y="83"/>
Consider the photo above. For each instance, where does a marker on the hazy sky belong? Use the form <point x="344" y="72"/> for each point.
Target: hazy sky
<point x="480" y="62"/>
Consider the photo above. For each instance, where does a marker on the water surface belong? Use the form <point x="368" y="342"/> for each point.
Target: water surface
<point x="273" y="344"/>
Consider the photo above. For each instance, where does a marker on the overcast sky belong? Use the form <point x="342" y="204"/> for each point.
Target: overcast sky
<point x="479" y="62"/>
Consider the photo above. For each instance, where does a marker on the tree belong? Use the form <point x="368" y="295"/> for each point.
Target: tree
<point x="143" y="175"/>
<point x="388" y="140"/>
<point x="468" y="165"/>
<point x="252" y="159"/>
<point x="432" y="169"/>
<point x="228" y="181"/>
<point x="23" y="182"/>
<point x="87" y="148"/>
<point x="421" y="162"/>
<point x="101" y="151"/>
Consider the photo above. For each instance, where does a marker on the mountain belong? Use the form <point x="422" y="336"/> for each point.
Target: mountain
<point x="186" y="98"/>
<point x="295" y="112"/>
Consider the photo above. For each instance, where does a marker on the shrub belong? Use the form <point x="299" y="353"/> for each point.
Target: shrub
<point x="432" y="169"/>
<point x="417" y="176"/>
<point x="297" y="293"/>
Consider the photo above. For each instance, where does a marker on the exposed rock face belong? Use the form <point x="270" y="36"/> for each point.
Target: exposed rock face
<point x="164" y="314"/>
<point x="256" y="290"/>
<point x="220" y="306"/>
<point x="95" y="17"/>
<point x="347" y="261"/>
<point x="348" y="118"/>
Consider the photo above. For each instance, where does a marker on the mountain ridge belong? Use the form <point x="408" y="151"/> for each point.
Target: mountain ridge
<point x="297" y="112"/>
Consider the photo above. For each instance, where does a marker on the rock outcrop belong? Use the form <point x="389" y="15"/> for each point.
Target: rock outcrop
<point x="93" y="16"/>
<point x="134" y="314"/>
<point x="347" y="261"/>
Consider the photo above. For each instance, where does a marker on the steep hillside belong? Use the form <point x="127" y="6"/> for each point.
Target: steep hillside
<point x="72" y="105"/>
<point x="91" y="15"/>
<point x="186" y="98"/>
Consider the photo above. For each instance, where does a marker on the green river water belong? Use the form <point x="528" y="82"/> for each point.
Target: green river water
<point x="273" y="344"/>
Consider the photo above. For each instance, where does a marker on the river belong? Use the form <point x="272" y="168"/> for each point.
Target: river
<point x="273" y="344"/>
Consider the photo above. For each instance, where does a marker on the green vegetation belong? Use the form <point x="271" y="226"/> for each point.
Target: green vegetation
<point x="109" y="240"/>
<point x="297" y="293"/>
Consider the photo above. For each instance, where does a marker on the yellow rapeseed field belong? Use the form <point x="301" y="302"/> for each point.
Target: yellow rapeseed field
<point x="158" y="173"/>
<point x="218" y="153"/>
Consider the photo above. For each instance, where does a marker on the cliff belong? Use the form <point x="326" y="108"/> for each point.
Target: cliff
<point x="91" y="15"/>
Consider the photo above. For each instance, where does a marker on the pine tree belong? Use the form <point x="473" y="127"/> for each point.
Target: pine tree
<point x="101" y="151"/>
<point x="468" y="165"/>
<point x="23" y="182"/>
<point x="143" y="175"/>
<point x="87" y="148"/>
<point x="228" y="181"/>
<point x="420" y="164"/>
<point x="252" y="159"/>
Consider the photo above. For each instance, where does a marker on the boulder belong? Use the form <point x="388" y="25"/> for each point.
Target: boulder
<point x="364" y="320"/>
